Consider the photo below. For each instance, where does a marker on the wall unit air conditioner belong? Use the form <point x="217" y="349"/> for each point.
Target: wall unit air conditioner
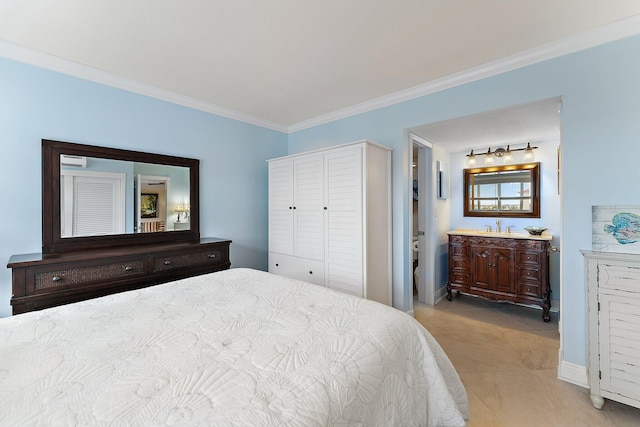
<point x="68" y="160"/>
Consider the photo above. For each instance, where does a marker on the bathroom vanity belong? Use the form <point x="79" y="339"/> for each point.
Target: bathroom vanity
<point x="501" y="267"/>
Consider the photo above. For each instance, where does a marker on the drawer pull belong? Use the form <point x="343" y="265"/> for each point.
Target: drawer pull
<point x="128" y="268"/>
<point x="56" y="279"/>
<point x="212" y="256"/>
<point x="167" y="262"/>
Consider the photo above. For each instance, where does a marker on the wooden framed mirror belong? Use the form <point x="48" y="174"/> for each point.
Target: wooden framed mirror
<point x="97" y="197"/>
<point x="510" y="191"/>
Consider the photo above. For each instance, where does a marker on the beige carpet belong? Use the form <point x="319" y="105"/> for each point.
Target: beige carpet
<point x="507" y="358"/>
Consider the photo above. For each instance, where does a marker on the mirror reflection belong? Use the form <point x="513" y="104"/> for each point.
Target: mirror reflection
<point x="101" y="196"/>
<point x="507" y="191"/>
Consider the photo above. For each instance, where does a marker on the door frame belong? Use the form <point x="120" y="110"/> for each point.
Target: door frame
<point x="426" y="242"/>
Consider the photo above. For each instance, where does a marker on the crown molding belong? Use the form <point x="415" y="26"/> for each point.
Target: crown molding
<point x="64" y="66"/>
<point x="615" y="31"/>
<point x="608" y="33"/>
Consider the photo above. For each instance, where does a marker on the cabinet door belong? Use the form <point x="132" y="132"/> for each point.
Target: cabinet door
<point x="503" y="270"/>
<point x="481" y="267"/>
<point x="619" y="339"/>
<point x="281" y="207"/>
<point x="492" y="269"/>
<point x="308" y="207"/>
<point x="343" y="177"/>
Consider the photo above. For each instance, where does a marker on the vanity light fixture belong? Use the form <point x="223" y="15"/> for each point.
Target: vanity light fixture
<point x="504" y="153"/>
<point x="488" y="158"/>
<point x="471" y="161"/>
<point x="507" y="157"/>
<point x="528" y="152"/>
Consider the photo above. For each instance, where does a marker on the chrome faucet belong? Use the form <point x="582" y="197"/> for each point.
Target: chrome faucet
<point x="498" y="223"/>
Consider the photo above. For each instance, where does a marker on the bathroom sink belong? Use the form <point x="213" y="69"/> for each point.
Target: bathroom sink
<point x="484" y="233"/>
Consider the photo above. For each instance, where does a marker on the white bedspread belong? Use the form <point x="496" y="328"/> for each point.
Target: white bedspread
<point x="238" y="347"/>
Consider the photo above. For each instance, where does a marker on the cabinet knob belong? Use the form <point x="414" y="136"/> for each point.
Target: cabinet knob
<point x="128" y="268"/>
<point x="56" y="278"/>
<point x="311" y="272"/>
<point x="212" y="256"/>
<point x="294" y="207"/>
<point x="290" y="207"/>
<point x="325" y="208"/>
<point x="167" y="262"/>
<point x="277" y="265"/>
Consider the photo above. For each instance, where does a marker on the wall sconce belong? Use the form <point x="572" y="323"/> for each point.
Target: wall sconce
<point x="504" y="153"/>
<point x="179" y="209"/>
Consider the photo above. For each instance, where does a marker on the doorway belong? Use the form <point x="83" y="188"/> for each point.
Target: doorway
<point x="422" y="234"/>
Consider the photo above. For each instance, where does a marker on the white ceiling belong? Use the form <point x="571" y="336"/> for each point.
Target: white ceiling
<point x="535" y="121"/>
<point x="287" y="62"/>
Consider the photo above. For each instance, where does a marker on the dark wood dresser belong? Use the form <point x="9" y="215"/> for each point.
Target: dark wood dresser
<point x="41" y="281"/>
<point x="501" y="269"/>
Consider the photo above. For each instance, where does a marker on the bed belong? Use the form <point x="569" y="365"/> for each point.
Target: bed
<point x="236" y="347"/>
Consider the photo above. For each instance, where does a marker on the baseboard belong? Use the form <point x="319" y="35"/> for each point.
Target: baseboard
<point x="573" y="373"/>
<point x="440" y="294"/>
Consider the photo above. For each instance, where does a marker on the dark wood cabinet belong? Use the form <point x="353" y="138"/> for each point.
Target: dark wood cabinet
<point x="41" y="281"/>
<point x="501" y="269"/>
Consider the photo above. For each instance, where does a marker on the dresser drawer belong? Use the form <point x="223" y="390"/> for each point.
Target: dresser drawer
<point x="459" y="264"/>
<point x="55" y="277"/>
<point x="528" y="257"/>
<point x="619" y="277"/>
<point x="200" y="258"/>
<point x="531" y="289"/>
<point x="529" y="275"/>
<point x="458" y="250"/>
<point x="459" y="278"/>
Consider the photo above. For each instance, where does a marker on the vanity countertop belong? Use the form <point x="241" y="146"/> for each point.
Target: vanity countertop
<point x="482" y="233"/>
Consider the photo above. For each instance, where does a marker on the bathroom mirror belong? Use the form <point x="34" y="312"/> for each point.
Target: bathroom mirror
<point x="95" y="197"/>
<point x="511" y="191"/>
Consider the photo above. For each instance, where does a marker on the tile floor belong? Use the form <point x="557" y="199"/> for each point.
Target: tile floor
<point x="507" y="358"/>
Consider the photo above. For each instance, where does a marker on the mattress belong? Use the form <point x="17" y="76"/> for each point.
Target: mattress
<point x="237" y="347"/>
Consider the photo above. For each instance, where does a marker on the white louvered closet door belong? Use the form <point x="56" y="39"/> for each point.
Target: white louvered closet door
<point x="308" y="218"/>
<point x="92" y="203"/>
<point x="343" y="177"/>
<point x="281" y="207"/>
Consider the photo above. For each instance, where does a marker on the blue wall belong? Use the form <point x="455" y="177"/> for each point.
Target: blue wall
<point x="38" y="104"/>
<point x="600" y="88"/>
